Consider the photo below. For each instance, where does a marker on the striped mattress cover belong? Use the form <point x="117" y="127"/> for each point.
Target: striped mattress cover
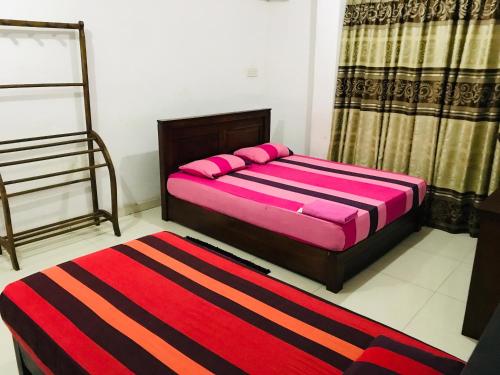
<point x="161" y="305"/>
<point x="269" y="196"/>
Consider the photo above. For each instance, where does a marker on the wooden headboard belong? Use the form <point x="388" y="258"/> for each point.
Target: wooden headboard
<point x="184" y="140"/>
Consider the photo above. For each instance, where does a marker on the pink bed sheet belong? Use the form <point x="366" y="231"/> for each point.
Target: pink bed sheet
<point x="270" y="195"/>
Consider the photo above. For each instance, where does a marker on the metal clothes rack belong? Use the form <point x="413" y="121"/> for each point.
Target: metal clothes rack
<point x="11" y="241"/>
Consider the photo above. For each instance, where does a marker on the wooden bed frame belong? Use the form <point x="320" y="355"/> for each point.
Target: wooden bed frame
<point x="185" y="140"/>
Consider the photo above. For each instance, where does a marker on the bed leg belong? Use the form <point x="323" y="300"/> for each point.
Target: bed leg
<point x="164" y="212"/>
<point x="164" y="208"/>
<point x="334" y="273"/>
<point x="21" y="367"/>
<point x="420" y="218"/>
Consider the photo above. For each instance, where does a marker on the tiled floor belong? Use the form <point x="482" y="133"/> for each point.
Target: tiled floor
<point x="420" y="287"/>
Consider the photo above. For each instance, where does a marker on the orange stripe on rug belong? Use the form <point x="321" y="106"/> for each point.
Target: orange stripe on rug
<point x="329" y="341"/>
<point x="153" y="344"/>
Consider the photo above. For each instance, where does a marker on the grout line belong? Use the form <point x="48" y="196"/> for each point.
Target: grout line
<point x="448" y="277"/>
<point x="418" y="311"/>
<point x="421" y="286"/>
<point x="427" y="252"/>
<point x="456" y="299"/>
<point x="407" y="281"/>
<point x="315" y="290"/>
<point x="467" y="263"/>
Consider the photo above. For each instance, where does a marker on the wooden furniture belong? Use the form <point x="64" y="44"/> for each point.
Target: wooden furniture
<point x="484" y="292"/>
<point x="485" y="360"/>
<point x="185" y="140"/>
<point x="11" y="241"/>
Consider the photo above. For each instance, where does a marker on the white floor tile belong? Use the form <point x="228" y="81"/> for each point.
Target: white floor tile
<point x="8" y="363"/>
<point x="350" y="287"/>
<point x="439" y="324"/>
<point x="416" y="266"/>
<point x="469" y="258"/>
<point x="438" y="242"/>
<point x="381" y="297"/>
<point x="427" y="237"/>
<point x="44" y="254"/>
<point x="457" y="284"/>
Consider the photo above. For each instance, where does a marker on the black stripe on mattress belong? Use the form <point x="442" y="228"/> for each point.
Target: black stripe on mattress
<point x="414" y="187"/>
<point x="372" y="210"/>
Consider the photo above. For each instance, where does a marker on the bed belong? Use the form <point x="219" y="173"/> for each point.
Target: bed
<point x="271" y="196"/>
<point x="323" y="252"/>
<point x="162" y="304"/>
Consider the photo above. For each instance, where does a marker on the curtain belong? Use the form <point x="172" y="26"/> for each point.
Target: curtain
<point x="418" y="92"/>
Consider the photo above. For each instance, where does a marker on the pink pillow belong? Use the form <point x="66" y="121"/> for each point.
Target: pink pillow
<point x="214" y="166"/>
<point x="263" y="153"/>
<point x="330" y="211"/>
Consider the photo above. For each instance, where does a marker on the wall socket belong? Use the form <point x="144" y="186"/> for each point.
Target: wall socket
<point x="252" y="72"/>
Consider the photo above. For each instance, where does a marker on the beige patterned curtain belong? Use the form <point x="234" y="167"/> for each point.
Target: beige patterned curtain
<point x="418" y="92"/>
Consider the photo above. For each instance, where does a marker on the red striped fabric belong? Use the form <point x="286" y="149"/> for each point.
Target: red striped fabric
<point x="162" y="304"/>
<point x="270" y="195"/>
<point x="394" y="362"/>
<point x="61" y="330"/>
<point x="387" y="356"/>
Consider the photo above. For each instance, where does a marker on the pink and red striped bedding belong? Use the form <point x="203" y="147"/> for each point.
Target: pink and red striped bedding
<point x="269" y="196"/>
<point x="263" y="153"/>
<point x="214" y="166"/>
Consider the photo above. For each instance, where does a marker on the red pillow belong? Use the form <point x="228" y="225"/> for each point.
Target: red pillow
<point x="214" y="166"/>
<point x="264" y="153"/>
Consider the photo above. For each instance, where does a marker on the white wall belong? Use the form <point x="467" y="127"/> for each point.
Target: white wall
<point x="148" y="60"/>
<point x="304" y="41"/>
<point x="164" y="59"/>
<point x="329" y="19"/>
<point x="288" y="72"/>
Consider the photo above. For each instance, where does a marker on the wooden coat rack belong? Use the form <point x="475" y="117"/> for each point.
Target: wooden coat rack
<point x="11" y="241"/>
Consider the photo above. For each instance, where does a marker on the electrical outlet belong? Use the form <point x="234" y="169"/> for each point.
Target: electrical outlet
<point x="252" y="72"/>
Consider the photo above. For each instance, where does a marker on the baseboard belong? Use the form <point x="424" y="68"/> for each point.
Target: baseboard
<point x="138" y="207"/>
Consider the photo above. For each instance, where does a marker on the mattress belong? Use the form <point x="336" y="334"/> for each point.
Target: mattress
<point x="270" y="195"/>
<point x="161" y="305"/>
